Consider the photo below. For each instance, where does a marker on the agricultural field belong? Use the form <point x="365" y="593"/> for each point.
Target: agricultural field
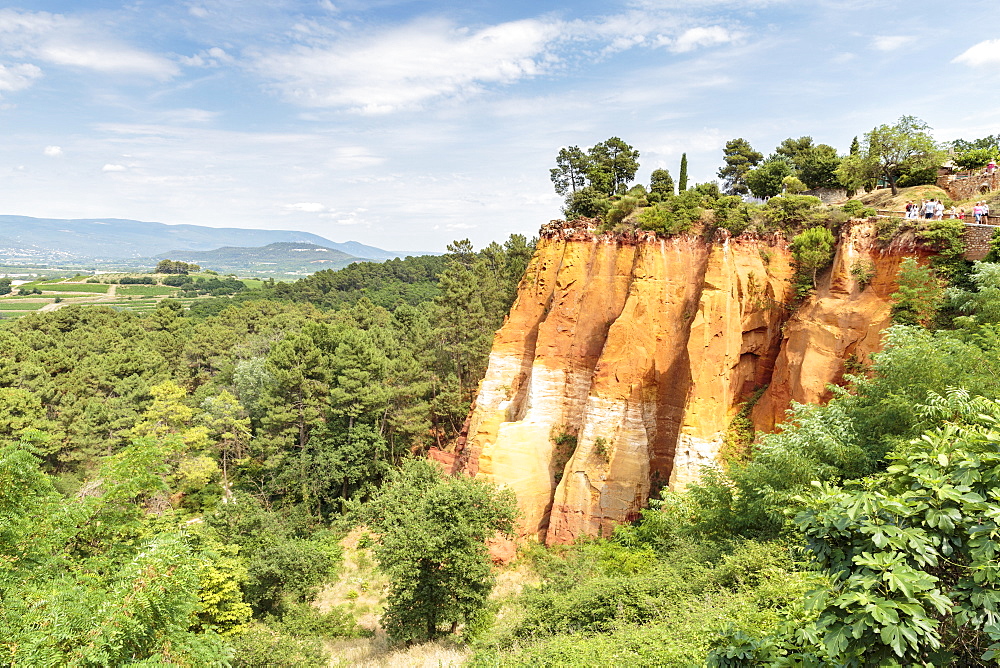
<point x="9" y="305"/>
<point x="146" y="290"/>
<point x="91" y="288"/>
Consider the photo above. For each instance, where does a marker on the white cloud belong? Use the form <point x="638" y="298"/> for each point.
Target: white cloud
<point x="890" y="42"/>
<point x="214" y="57"/>
<point x="978" y="55"/>
<point x="53" y="151"/>
<point x="18" y="77"/>
<point x="407" y="66"/>
<point x="306" y="207"/>
<point x="66" y="41"/>
<point x="698" y="37"/>
<point x="113" y="168"/>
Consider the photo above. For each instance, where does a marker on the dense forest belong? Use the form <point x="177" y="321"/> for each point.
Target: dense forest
<point x="173" y="485"/>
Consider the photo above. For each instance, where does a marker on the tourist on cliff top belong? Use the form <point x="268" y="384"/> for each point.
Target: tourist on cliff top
<point x="952" y="212"/>
<point x="929" y="209"/>
<point x="908" y="208"/>
<point x="977" y="211"/>
<point x="992" y="167"/>
<point x="938" y="210"/>
<point x="986" y="213"/>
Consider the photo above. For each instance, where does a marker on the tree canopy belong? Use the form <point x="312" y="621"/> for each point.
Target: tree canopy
<point x="890" y="152"/>
<point x="740" y="158"/>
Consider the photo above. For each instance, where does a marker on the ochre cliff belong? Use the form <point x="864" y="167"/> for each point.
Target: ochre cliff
<point x="625" y="357"/>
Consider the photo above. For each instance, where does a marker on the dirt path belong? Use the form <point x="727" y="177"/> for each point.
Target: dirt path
<point x="108" y="296"/>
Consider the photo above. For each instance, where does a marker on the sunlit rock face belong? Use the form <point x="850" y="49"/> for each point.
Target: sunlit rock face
<point x="625" y="357"/>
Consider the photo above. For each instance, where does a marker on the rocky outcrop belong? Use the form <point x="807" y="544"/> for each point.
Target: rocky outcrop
<point x="625" y="357"/>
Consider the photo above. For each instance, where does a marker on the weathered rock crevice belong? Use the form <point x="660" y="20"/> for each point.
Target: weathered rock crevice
<point x="643" y="350"/>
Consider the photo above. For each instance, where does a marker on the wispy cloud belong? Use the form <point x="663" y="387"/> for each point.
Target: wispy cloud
<point x="52" y="151"/>
<point x="409" y="65"/>
<point x="72" y="42"/>
<point x="406" y="66"/>
<point x="890" y="42"/>
<point x="979" y="55"/>
<point x="113" y="168"/>
<point x="18" y="77"/>
<point x="306" y="207"/>
<point x="698" y="37"/>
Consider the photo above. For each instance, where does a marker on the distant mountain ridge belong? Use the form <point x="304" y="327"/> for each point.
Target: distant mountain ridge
<point x="116" y="239"/>
<point x="282" y="257"/>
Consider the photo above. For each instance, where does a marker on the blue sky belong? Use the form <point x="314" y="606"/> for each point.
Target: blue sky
<point x="407" y="124"/>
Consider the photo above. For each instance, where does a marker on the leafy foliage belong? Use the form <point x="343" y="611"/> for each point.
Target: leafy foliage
<point x="813" y="250"/>
<point x="919" y="296"/>
<point x="432" y="533"/>
<point x="891" y="151"/>
<point x="740" y="158"/>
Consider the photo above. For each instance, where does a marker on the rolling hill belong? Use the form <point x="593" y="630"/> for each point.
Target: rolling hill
<point x="113" y="240"/>
<point x="280" y="258"/>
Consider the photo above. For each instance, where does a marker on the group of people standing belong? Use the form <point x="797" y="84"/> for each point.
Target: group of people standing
<point x="933" y="209"/>
<point x="982" y="212"/>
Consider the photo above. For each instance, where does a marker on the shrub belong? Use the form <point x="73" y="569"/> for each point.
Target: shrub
<point x="621" y="209"/>
<point x="813" y="250"/>
<point x="793" y="212"/>
<point x="919" y="296"/>
<point x="587" y="202"/>
<point x="976" y="158"/>
<point x="945" y="238"/>
<point x="675" y="215"/>
<point x="886" y="229"/>
<point x="733" y="214"/>
<point x="863" y="271"/>
<point x="857" y="209"/>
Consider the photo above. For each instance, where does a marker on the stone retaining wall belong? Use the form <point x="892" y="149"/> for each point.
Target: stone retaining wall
<point x="977" y="240"/>
<point x="969" y="187"/>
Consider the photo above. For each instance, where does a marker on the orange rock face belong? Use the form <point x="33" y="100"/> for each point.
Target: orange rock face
<point x="624" y="360"/>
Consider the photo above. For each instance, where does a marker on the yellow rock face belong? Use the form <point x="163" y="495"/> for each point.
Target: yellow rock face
<point x="624" y="359"/>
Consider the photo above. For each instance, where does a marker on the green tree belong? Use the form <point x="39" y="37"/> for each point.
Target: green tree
<point x="5" y="286"/>
<point x="740" y="158"/>
<point x="176" y="267"/>
<point x="813" y="250"/>
<point x="919" y="296"/>
<point x="766" y="180"/>
<point x="613" y="164"/>
<point x="682" y="176"/>
<point x="891" y="151"/>
<point x="818" y="168"/>
<point x="792" y="185"/>
<point x="570" y="172"/>
<point x="432" y="533"/>
<point x="912" y="554"/>
<point x="661" y="183"/>
<point x="796" y="150"/>
<point x="588" y="202"/>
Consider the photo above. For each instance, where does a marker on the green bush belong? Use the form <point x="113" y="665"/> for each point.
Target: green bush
<point x="813" y="250"/>
<point x="795" y="212"/>
<point x="260" y="646"/>
<point x="586" y="202"/>
<point x="857" y="209"/>
<point x="919" y="296"/>
<point x="733" y="214"/>
<point x="621" y="209"/>
<point x="675" y="215"/>
<point x="863" y="271"/>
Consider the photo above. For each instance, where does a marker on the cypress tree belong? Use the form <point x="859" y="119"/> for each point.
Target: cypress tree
<point x="682" y="178"/>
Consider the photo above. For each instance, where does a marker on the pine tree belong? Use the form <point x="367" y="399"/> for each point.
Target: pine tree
<point x="682" y="179"/>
